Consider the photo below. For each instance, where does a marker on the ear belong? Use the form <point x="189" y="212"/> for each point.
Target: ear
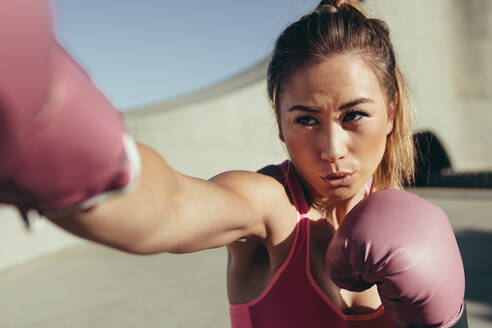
<point x="392" y="114"/>
<point x="391" y="121"/>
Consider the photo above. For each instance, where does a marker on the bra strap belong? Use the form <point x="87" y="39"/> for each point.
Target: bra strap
<point x="295" y="190"/>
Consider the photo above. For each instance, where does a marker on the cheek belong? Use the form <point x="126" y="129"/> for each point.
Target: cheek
<point x="371" y="146"/>
<point x="301" y="146"/>
<point x="292" y="136"/>
<point x="297" y="144"/>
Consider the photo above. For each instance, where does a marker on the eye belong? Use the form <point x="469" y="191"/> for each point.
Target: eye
<point x="354" y="116"/>
<point x="306" y="120"/>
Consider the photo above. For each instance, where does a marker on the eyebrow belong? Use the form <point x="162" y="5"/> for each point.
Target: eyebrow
<point x="352" y="103"/>
<point x="360" y="100"/>
<point x="304" y="109"/>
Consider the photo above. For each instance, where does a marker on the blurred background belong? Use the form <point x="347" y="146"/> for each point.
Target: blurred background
<point x="189" y="77"/>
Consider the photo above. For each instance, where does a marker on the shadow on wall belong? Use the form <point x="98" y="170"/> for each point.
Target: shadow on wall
<point x="475" y="247"/>
<point x="433" y="167"/>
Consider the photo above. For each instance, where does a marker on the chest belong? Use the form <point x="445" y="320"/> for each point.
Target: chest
<point x="246" y="282"/>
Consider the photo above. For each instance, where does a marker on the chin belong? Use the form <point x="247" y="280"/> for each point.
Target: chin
<point x="341" y="193"/>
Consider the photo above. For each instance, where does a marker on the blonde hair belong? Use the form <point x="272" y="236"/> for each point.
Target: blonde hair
<point x="342" y="27"/>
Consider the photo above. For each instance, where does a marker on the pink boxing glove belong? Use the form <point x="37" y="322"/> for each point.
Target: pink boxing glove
<point x="62" y="144"/>
<point x="406" y="246"/>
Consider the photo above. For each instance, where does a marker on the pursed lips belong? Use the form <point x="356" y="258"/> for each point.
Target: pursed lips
<point x="338" y="179"/>
<point x="337" y="175"/>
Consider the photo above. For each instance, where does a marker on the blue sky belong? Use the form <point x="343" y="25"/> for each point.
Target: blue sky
<point x="144" y="52"/>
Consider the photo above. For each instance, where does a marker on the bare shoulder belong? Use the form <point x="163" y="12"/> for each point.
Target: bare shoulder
<point x="267" y="184"/>
<point x="265" y="191"/>
<point x="264" y="187"/>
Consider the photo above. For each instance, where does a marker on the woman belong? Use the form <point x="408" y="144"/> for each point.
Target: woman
<point x="343" y="114"/>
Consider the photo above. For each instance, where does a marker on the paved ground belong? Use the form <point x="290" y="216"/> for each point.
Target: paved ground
<point x="93" y="286"/>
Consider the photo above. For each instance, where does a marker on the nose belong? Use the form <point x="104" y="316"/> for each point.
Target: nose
<point x="333" y="144"/>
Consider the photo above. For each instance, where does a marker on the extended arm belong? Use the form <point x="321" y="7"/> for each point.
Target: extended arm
<point x="171" y="212"/>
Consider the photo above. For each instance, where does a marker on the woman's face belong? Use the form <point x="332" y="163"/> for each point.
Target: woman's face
<point x="334" y="122"/>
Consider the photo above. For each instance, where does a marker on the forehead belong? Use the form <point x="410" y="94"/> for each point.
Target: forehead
<point x="329" y="82"/>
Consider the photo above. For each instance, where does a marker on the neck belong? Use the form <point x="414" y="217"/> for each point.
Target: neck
<point x="335" y="210"/>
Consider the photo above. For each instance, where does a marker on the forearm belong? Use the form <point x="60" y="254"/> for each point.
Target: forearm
<point x="127" y="222"/>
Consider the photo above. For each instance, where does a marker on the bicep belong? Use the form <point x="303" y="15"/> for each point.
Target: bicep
<point x="214" y="213"/>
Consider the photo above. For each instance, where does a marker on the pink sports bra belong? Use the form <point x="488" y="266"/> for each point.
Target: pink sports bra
<point x="293" y="298"/>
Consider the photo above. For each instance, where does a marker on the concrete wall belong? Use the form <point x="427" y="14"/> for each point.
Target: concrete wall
<point x="203" y="135"/>
<point x="18" y="245"/>
<point x="444" y="48"/>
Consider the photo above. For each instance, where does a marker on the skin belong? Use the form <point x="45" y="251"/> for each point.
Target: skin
<point x="249" y="212"/>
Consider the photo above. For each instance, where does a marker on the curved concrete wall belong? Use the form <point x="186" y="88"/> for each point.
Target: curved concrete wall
<point x="203" y="135"/>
